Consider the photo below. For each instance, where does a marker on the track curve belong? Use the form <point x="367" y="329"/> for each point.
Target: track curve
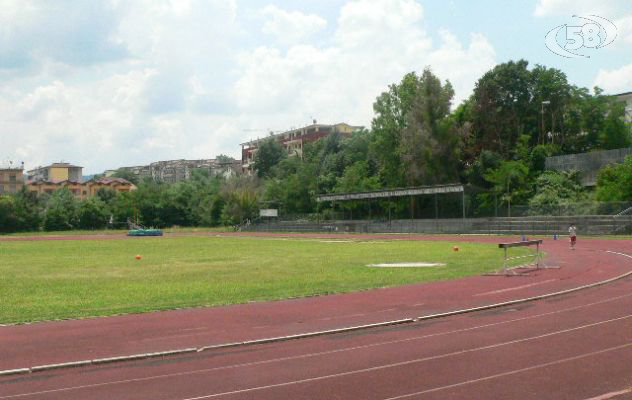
<point x="583" y="339"/>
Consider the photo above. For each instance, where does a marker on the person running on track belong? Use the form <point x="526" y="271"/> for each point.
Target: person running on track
<point x="572" y="232"/>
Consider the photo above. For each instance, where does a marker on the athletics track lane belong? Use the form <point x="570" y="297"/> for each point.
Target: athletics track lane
<point x="577" y="346"/>
<point x="29" y="345"/>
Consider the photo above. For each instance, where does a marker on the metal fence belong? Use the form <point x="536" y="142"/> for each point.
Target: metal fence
<point x="448" y="210"/>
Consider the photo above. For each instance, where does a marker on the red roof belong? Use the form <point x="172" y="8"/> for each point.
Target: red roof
<point x="109" y="181"/>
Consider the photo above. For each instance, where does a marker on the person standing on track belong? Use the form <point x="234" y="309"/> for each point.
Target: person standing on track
<point x="572" y="232"/>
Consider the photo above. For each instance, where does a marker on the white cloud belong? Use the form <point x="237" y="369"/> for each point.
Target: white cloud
<point x="290" y="27"/>
<point x="74" y="33"/>
<point x="376" y="43"/>
<point x="615" y="81"/>
<point x="191" y="80"/>
<point x="578" y="7"/>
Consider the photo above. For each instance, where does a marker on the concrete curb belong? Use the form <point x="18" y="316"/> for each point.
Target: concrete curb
<point x="306" y="335"/>
<point x="134" y="357"/>
<point x="48" y="367"/>
<point x="15" y="371"/>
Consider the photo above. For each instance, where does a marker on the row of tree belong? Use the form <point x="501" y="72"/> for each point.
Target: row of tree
<point x="496" y="140"/>
<point x="203" y="201"/>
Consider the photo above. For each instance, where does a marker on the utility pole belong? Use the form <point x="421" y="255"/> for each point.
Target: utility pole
<point x="544" y="103"/>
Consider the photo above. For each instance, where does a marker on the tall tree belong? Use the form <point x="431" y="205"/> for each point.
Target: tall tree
<point x="616" y="133"/>
<point x="269" y="154"/>
<point x="502" y="100"/>
<point x="430" y="140"/>
<point x="391" y="109"/>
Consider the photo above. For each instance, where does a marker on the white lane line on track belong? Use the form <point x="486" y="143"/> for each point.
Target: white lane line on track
<point x="612" y="395"/>
<point x="617" y="253"/>
<point x="202" y="328"/>
<point x="518" y="371"/>
<point x="310" y="355"/>
<point x="515" y="288"/>
<point x="420" y="360"/>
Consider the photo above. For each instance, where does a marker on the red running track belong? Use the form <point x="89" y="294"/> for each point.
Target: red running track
<point x="30" y="345"/>
<point x="575" y="347"/>
<point x="75" y="340"/>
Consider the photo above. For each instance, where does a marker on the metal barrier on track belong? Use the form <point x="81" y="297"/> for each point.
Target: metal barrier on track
<point x="522" y="269"/>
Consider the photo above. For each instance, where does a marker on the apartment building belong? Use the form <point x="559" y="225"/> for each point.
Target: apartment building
<point x="294" y="140"/>
<point x="174" y="171"/>
<point x="82" y="190"/>
<point x="11" y="178"/>
<point x="57" y="172"/>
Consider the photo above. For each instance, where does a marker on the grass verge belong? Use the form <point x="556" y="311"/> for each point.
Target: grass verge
<point x="43" y="280"/>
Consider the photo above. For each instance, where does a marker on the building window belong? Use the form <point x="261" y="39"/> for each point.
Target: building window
<point x="1" y="189"/>
<point x="85" y="193"/>
<point x="12" y="178"/>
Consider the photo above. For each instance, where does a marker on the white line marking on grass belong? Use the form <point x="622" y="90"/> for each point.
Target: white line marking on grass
<point x="407" y="265"/>
<point x="517" y="371"/>
<point x="431" y="358"/>
<point x="318" y="354"/>
<point x="515" y="288"/>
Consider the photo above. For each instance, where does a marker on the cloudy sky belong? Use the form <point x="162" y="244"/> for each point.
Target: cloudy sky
<point x="115" y="83"/>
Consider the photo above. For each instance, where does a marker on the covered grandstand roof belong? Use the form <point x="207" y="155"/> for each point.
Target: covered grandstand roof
<point x="404" y="192"/>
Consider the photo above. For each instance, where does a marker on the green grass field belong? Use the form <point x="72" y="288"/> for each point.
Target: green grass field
<point x="44" y="280"/>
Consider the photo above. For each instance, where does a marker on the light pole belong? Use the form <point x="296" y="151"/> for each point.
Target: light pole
<point x="544" y="103"/>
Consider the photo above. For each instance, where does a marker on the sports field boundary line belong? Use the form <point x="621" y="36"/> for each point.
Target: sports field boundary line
<point x="142" y="356"/>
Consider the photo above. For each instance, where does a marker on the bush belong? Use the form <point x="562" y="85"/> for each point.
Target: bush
<point x="614" y="183"/>
<point x="61" y="211"/>
<point x="93" y="214"/>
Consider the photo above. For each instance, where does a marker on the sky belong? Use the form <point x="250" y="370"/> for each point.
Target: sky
<point x="112" y="83"/>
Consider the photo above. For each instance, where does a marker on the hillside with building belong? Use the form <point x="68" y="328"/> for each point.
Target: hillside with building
<point x="294" y="140"/>
<point x="174" y="171"/>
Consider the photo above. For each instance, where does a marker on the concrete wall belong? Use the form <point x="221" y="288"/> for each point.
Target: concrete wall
<point x="588" y="164"/>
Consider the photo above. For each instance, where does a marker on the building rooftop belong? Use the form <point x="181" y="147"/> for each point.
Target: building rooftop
<point x="57" y="165"/>
<point x="314" y="125"/>
<point x="109" y="181"/>
<point x="10" y="166"/>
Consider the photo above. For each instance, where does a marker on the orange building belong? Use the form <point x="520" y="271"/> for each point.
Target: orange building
<point x="82" y="191"/>
<point x="118" y="184"/>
